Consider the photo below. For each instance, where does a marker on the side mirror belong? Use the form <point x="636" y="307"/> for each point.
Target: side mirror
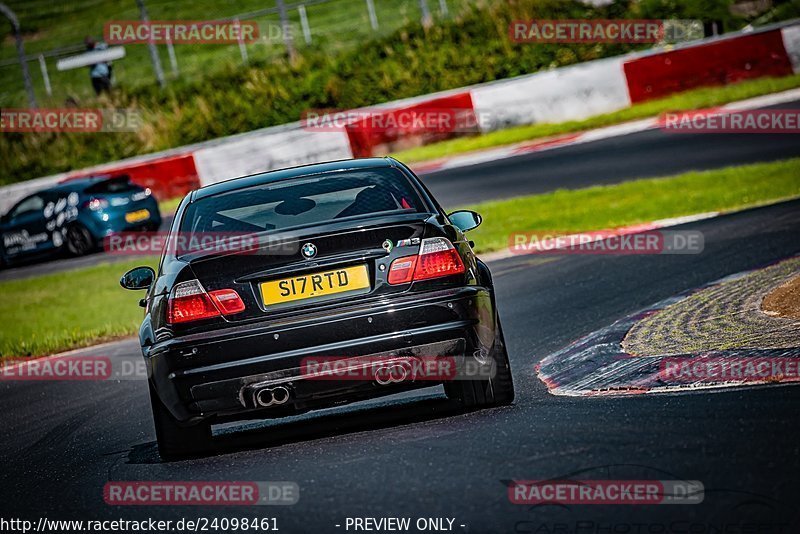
<point x="465" y="220"/>
<point x="138" y="278"/>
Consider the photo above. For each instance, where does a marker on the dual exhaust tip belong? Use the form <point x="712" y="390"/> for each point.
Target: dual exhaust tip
<point x="392" y="373"/>
<point x="271" y="396"/>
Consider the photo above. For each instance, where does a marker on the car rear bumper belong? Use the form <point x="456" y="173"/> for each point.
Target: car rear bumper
<point x="113" y="220"/>
<point x="217" y="374"/>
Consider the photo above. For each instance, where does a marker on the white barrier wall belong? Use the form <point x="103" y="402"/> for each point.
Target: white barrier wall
<point x="570" y="93"/>
<point x="791" y="41"/>
<point x="265" y="151"/>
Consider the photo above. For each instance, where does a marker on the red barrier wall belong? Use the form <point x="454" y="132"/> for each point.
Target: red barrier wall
<point x="443" y="118"/>
<point x="167" y="177"/>
<point x="718" y="63"/>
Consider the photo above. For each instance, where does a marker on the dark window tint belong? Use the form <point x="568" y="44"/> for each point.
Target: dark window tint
<point x="303" y="201"/>
<point x="33" y="203"/>
<point x="121" y="184"/>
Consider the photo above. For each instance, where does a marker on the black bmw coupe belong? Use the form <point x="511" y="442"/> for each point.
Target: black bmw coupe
<point x="310" y="287"/>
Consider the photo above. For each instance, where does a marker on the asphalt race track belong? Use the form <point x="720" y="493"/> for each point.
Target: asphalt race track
<point x="414" y="456"/>
<point x="645" y="154"/>
<point x="639" y="155"/>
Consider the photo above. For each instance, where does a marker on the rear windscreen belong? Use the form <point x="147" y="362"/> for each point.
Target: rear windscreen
<point x="303" y="201"/>
<point x="112" y="185"/>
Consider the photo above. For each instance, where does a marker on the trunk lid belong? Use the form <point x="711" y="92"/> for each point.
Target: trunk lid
<point x="342" y="263"/>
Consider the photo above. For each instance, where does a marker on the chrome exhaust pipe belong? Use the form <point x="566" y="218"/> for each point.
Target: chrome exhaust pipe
<point x="393" y="373"/>
<point x="280" y="395"/>
<point x="264" y="397"/>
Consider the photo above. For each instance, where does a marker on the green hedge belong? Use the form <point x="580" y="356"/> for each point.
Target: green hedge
<point x="472" y="47"/>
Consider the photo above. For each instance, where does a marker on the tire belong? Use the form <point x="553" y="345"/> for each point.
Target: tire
<point x="79" y="240"/>
<point x="495" y="391"/>
<point x="176" y="441"/>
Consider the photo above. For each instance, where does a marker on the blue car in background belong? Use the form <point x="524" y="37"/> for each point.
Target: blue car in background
<point x="73" y="217"/>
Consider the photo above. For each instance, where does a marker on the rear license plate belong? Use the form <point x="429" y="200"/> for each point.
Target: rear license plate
<point x="137" y="216"/>
<point x="312" y="285"/>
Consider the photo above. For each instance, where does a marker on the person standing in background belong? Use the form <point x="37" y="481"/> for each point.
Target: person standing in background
<point x="100" y="73"/>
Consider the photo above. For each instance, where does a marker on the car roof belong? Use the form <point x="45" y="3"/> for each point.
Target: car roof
<point x="68" y="186"/>
<point x="292" y="172"/>
<point x="77" y="184"/>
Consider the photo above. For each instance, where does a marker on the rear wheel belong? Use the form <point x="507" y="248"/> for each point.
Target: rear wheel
<point x="79" y="240"/>
<point x="174" y="440"/>
<point x="495" y="391"/>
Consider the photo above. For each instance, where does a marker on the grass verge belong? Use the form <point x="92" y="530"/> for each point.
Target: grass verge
<point x="169" y="206"/>
<point x="689" y="100"/>
<point x="46" y="314"/>
<point x="602" y="207"/>
<point x="55" y="312"/>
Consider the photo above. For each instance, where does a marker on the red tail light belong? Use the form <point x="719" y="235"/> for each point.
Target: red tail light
<point x="96" y="204"/>
<point x="228" y="301"/>
<point x="438" y="264"/>
<point x="190" y="302"/>
<point x="402" y="270"/>
<point x="437" y="258"/>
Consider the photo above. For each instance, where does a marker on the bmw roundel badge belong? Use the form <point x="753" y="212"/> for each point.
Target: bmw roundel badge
<point x="309" y="250"/>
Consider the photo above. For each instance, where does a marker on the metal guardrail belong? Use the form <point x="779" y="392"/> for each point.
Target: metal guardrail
<point x="55" y="53"/>
<point x="286" y="17"/>
<point x="307" y="34"/>
<point x="80" y="47"/>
